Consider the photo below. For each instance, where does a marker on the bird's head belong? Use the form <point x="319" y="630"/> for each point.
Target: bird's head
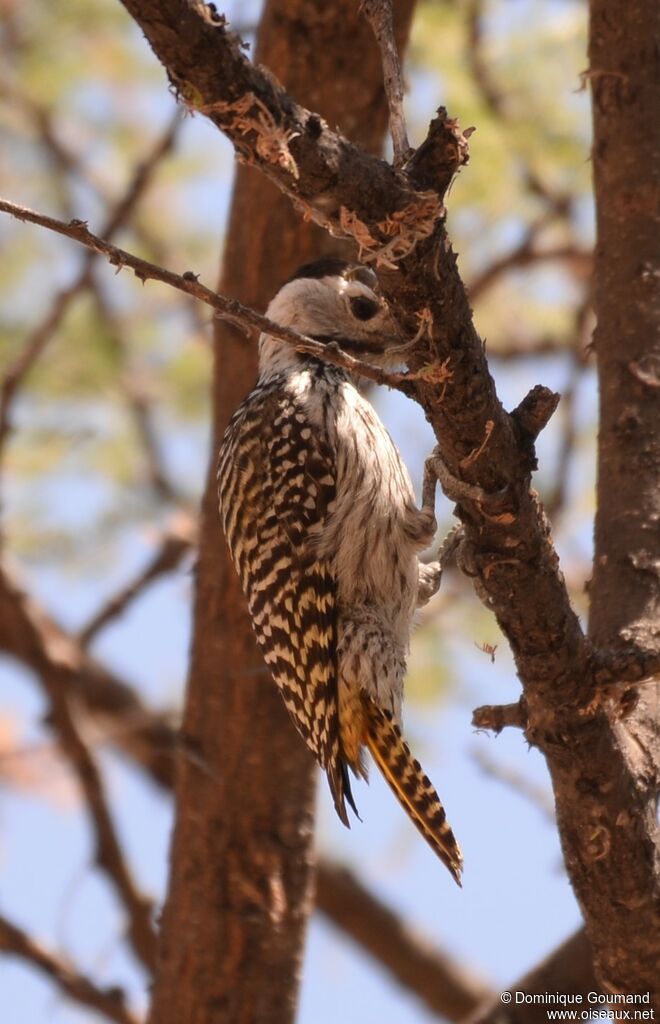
<point x="332" y="300"/>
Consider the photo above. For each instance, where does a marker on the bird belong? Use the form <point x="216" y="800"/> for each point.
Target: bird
<point x="324" y="531"/>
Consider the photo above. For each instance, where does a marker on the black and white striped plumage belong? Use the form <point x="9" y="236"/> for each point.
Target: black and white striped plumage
<point x="322" y="525"/>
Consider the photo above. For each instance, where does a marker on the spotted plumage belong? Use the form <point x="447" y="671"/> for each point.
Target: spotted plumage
<point x="321" y="521"/>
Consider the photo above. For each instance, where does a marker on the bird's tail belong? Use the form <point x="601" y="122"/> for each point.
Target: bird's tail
<point x="410" y="785"/>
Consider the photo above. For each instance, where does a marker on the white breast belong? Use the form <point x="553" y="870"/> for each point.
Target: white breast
<point x="375" y="558"/>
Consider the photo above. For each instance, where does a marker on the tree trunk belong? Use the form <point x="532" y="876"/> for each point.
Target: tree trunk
<point x="234" y="921"/>
<point x="625" y="595"/>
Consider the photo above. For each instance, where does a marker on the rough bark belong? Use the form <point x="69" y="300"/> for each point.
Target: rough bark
<point x="240" y="887"/>
<point x="616" y="872"/>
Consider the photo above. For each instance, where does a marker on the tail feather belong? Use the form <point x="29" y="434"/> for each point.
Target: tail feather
<point x="411" y="786"/>
<point x="340" y="786"/>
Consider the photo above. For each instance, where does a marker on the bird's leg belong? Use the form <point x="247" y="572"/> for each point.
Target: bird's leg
<point x="456" y="490"/>
<point x="430" y="573"/>
<point x="456" y="542"/>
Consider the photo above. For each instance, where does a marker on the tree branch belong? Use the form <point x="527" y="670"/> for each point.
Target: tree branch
<point x="30" y="635"/>
<point x="108" y="852"/>
<point x="175" y="544"/>
<point x="568" y="969"/>
<point x="496" y="717"/>
<point x="379" y="13"/>
<point x="225" y="308"/>
<point x="110" y="1001"/>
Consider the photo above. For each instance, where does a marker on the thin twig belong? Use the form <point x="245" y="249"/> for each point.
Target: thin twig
<point x="228" y="309"/>
<point x="175" y="545"/>
<point x="108" y="1001"/>
<point x="41" y="335"/>
<point x="379" y="14"/>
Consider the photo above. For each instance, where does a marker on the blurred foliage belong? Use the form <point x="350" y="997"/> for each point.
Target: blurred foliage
<point x="532" y="55"/>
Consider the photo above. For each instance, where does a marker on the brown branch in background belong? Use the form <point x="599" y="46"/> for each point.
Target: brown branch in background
<point x="442" y="984"/>
<point x="108" y="853"/>
<point x="58" y="661"/>
<point x="30" y="635"/>
<point x="62" y="160"/>
<point x="496" y="102"/>
<point x="545" y="345"/>
<point x="525" y="255"/>
<point x="177" y="542"/>
<point x="137" y="400"/>
<point x="228" y="309"/>
<point x="557" y="203"/>
<point x="486" y="84"/>
<point x="569" y="969"/>
<point x="109" y="1001"/>
<point x="379" y="14"/>
<point x="41" y="335"/>
<point x="495" y="769"/>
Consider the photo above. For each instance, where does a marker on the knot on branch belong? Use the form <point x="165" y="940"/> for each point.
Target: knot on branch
<point x="444" y="151"/>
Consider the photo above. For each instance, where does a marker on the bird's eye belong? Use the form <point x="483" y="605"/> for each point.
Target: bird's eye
<point x="363" y="308"/>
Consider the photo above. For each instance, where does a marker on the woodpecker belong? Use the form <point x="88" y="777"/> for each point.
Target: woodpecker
<point x="324" y="531"/>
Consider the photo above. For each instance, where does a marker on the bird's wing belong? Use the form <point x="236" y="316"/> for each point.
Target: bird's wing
<point x="277" y="483"/>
